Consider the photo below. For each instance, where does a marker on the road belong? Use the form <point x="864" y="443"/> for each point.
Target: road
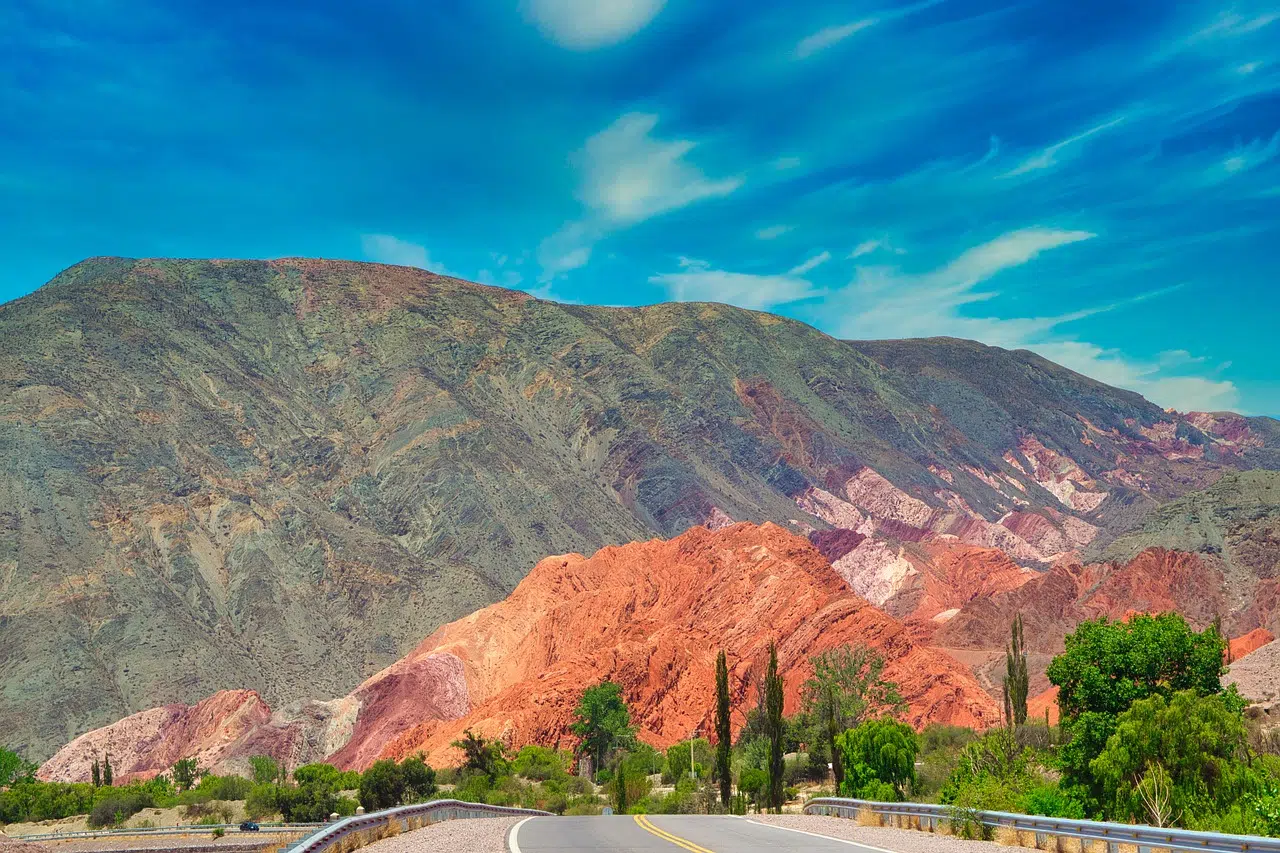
<point x="665" y="834"/>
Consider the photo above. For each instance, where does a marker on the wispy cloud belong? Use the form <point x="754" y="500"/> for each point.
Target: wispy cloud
<point x="828" y="36"/>
<point x="1050" y="156"/>
<point x="628" y="175"/>
<point x="810" y="264"/>
<point x="698" y="282"/>
<point x="387" y="249"/>
<point x="866" y="247"/>
<point x="772" y="232"/>
<point x="590" y="24"/>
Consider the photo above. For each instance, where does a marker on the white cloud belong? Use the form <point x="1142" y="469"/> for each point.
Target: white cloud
<point x="866" y="247"/>
<point x="386" y="249"/>
<point x="590" y="24"/>
<point x="1049" y="156"/>
<point x="828" y="36"/>
<point x="810" y="265"/>
<point x="784" y="163"/>
<point x="627" y="176"/>
<point x="1246" y="157"/>
<point x="773" y="232"/>
<point x="697" y="282"/>
<point x="1151" y="379"/>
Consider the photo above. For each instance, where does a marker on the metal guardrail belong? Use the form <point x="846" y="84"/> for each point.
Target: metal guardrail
<point x="432" y="812"/>
<point x="1145" y="838"/>
<point x="180" y="829"/>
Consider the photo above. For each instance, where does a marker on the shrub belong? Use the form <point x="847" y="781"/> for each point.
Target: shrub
<point x="382" y="786"/>
<point x="118" y="806"/>
<point x="539" y="763"/>
<point x="262" y="801"/>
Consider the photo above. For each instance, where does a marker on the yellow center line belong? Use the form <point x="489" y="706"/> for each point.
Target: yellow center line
<point x="647" y="825"/>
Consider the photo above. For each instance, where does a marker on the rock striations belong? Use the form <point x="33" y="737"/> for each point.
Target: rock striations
<point x="650" y="615"/>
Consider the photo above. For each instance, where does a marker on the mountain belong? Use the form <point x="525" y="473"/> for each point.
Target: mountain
<point x="651" y="616"/>
<point x="280" y="476"/>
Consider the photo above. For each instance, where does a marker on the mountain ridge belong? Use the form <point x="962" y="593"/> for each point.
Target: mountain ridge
<point x="281" y="475"/>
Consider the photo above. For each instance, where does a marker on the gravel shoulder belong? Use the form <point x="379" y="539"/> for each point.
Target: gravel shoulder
<point x="896" y="840"/>
<point x="475" y="835"/>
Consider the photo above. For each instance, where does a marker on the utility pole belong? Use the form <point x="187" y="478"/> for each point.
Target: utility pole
<point x="693" y="774"/>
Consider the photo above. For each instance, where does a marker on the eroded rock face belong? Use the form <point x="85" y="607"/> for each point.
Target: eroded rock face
<point x="649" y="615"/>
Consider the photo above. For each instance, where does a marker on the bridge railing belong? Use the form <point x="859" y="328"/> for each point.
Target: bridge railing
<point x="930" y="817"/>
<point x="356" y="831"/>
<point x="179" y="829"/>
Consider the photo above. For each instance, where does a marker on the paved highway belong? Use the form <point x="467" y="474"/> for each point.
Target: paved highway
<point x="666" y="834"/>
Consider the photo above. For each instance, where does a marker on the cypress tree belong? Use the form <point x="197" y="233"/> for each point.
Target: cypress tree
<point x="106" y="770"/>
<point x="1016" y="679"/>
<point x="723" y="732"/>
<point x="95" y="773"/>
<point x="621" y="784"/>
<point x="774" y="726"/>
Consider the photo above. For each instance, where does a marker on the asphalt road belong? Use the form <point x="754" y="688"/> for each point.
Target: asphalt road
<point x="665" y="834"/>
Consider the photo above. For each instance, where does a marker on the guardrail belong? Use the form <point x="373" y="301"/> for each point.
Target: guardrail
<point x="181" y="829"/>
<point x="378" y="824"/>
<point x="1145" y="838"/>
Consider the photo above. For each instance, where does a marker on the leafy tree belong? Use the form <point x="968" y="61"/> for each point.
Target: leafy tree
<point x="313" y="802"/>
<point x="880" y="751"/>
<point x="677" y="764"/>
<point x="265" y="769"/>
<point x="993" y="772"/>
<point x="846" y="686"/>
<point x="14" y="768"/>
<point x="1107" y="666"/>
<point x="620" y="788"/>
<point x="480" y="755"/>
<point x="723" y="732"/>
<point x="106" y="770"/>
<point x="320" y="773"/>
<point x="419" y="779"/>
<point x="754" y="782"/>
<point x="603" y="722"/>
<point x="184" y="773"/>
<point x="1016" y="679"/>
<point x="95" y="774"/>
<point x="381" y="786"/>
<point x="539" y="763"/>
<point x="1172" y="759"/>
<point x="775" y="727"/>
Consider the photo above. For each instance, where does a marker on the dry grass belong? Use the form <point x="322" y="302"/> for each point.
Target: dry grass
<point x="1006" y="836"/>
<point x="866" y="817"/>
<point x="1067" y="844"/>
<point x="1094" y="846"/>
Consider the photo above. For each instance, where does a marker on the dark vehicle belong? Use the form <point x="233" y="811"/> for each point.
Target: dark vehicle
<point x="248" y="826"/>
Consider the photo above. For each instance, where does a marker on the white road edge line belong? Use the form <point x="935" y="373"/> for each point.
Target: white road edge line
<point x="512" y="844"/>
<point x="815" y="835"/>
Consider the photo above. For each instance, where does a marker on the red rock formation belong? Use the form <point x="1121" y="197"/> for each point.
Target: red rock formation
<point x="649" y="615"/>
<point x="1250" y="643"/>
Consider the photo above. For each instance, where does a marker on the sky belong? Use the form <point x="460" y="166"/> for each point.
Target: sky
<point x="1098" y="182"/>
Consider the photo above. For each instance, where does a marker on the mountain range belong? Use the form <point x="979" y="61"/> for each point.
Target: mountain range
<point x="279" y="477"/>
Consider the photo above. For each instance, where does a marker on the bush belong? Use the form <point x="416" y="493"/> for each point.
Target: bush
<point x="1051" y="801"/>
<point x="119" y="806"/>
<point x="262" y="801"/>
<point x="539" y="763"/>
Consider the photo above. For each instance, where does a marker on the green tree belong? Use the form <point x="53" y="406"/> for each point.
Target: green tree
<point x="1016" y="678"/>
<point x="419" y="779"/>
<point x="1172" y="760"/>
<point x="881" y="751"/>
<point x="480" y="755"/>
<point x="539" y="763"/>
<point x="318" y="773"/>
<point x="724" y="734"/>
<point x="603" y="722"/>
<point x="381" y="786"/>
<point x="14" y="768"/>
<point x="775" y="727"/>
<point x="620" y="787"/>
<point x="184" y="773"/>
<point x="265" y="769"/>
<point x="846" y="687"/>
<point x="1107" y="666"/>
<point x="107" y="775"/>
<point x="95" y="774"/>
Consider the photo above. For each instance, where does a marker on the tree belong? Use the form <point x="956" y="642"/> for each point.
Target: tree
<point x="603" y="722"/>
<point x="1173" y="759"/>
<point x="1016" y="679"/>
<point x="95" y="773"/>
<point x="381" y="786"/>
<point x="846" y="687"/>
<point x="265" y="769"/>
<point x="882" y="752"/>
<point x="775" y="726"/>
<point x="106" y="770"/>
<point x="620" y="788"/>
<point x="723" y="731"/>
<point x="1107" y="666"/>
<point x="419" y="779"/>
<point x="184" y="773"/>
<point x="484" y="756"/>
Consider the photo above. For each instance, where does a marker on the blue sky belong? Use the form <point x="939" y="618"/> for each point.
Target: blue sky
<point x="1096" y="181"/>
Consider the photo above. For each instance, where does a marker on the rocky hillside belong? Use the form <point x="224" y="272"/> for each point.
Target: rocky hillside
<point x="280" y="476"/>
<point x="649" y="615"/>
